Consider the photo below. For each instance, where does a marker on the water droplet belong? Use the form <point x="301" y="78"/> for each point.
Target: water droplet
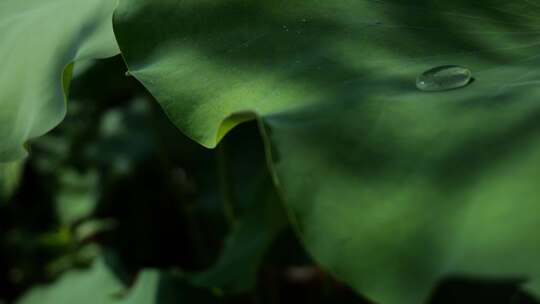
<point x="442" y="78"/>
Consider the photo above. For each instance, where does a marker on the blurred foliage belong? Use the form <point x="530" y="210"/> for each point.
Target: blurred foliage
<point x="117" y="195"/>
<point x="117" y="206"/>
<point x="390" y="188"/>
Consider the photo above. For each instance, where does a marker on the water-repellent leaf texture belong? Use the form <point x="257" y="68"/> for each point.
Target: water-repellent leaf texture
<point x="390" y="187"/>
<point x="40" y="42"/>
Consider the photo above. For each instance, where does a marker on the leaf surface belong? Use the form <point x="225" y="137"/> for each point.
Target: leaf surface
<point x="40" y="42"/>
<point x="391" y="188"/>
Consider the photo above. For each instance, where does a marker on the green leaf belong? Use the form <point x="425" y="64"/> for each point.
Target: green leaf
<point x="155" y="287"/>
<point x="391" y="188"/>
<point x="95" y="285"/>
<point x="99" y="285"/>
<point x="77" y="197"/>
<point x="255" y="230"/>
<point x="254" y="212"/>
<point x="10" y="175"/>
<point x="40" y="42"/>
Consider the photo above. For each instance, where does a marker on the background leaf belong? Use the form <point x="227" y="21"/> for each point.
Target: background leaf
<point x="119" y="177"/>
<point x="252" y="233"/>
<point x="95" y="285"/>
<point x="10" y="174"/>
<point x="154" y="287"/>
<point x="40" y="42"/>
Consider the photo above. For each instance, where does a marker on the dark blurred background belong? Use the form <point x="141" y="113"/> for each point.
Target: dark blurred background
<point x="117" y="179"/>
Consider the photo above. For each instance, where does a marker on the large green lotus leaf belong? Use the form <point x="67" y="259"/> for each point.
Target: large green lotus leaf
<point x="391" y="188"/>
<point x="40" y="41"/>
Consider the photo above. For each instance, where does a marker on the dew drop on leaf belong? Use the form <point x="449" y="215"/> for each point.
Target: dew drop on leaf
<point x="442" y="78"/>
